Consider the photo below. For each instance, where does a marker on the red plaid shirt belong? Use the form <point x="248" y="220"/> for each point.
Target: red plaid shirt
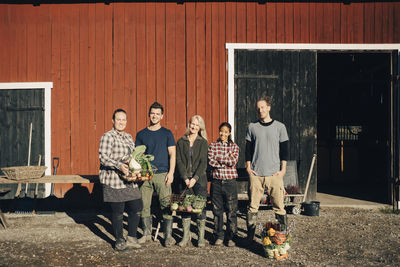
<point x="223" y="158"/>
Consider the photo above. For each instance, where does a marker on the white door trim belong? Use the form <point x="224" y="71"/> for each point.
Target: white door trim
<point x="252" y="46"/>
<point x="47" y="86"/>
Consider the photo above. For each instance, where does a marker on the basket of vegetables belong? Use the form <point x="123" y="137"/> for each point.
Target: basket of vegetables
<point x="275" y="242"/>
<point x="140" y="168"/>
<point x="188" y="202"/>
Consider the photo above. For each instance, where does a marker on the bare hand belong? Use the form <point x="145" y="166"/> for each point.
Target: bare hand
<point x="125" y="169"/>
<point x="169" y="178"/>
<point x="280" y="173"/>
<point x="187" y="182"/>
<point x="251" y="172"/>
<point x="192" y="182"/>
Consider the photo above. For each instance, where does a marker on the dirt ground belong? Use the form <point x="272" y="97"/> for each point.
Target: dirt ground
<point x="338" y="237"/>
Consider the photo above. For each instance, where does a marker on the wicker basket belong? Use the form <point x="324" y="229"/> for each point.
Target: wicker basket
<point x="24" y="172"/>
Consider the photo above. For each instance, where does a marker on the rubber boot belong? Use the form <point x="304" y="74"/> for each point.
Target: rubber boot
<point x="283" y="222"/>
<point x="251" y="227"/>
<point x="186" y="232"/>
<point x="168" y="240"/>
<point x="201" y="227"/>
<point x="147" y="223"/>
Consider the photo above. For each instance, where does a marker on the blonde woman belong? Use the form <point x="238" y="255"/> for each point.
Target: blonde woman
<point x="191" y="162"/>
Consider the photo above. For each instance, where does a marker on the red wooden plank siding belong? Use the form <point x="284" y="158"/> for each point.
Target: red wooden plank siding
<point x="271" y="22"/>
<point x="160" y="54"/>
<point x="191" y="100"/>
<point x="128" y="55"/>
<point x="200" y="70"/>
<point x="150" y="53"/>
<point x="83" y="97"/>
<point x="222" y="67"/>
<point x="130" y="65"/>
<point x="261" y="24"/>
<point x="208" y="76"/>
<point x="57" y="118"/>
<point x="170" y="71"/>
<point x="180" y="115"/>
<point x="102" y="120"/>
<point x="142" y="111"/>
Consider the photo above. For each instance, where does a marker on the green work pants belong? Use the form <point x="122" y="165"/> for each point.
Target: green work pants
<point x="163" y="193"/>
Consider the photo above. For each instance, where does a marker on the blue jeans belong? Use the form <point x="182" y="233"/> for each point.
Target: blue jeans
<point x="224" y="199"/>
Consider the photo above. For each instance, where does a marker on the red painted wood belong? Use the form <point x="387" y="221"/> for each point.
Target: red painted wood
<point x="222" y="68"/>
<point x="150" y="53"/>
<point x="336" y="22"/>
<point x="261" y="23"/>
<point x="357" y="19"/>
<point x="378" y="22"/>
<point x="191" y="100"/>
<point x="251" y="22"/>
<point x="280" y="22"/>
<point x="180" y="115"/>
<point x="142" y="111"/>
<point x="369" y="9"/>
<point x="160" y="55"/>
<point x="215" y="75"/>
<point x="108" y="67"/>
<point x="208" y="74"/>
<point x="271" y="22"/>
<point x="170" y="70"/>
<point x="32" y="36"/>
<point x="241" y="34"/>
<point x="387" y="31"/>
<point x="200" y="70"/>
<point x="289" y="14"/>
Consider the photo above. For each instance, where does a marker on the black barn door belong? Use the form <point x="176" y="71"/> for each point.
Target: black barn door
<point x="290" y="78"/>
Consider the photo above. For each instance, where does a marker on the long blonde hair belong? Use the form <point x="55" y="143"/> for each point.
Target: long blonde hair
<point x="202" y="131"/>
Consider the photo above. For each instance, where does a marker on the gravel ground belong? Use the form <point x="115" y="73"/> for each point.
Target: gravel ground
<point x="338" y="237"/>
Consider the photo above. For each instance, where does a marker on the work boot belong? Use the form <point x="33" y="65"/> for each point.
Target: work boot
<point x="201" y="227"/>
<point x="251" y="227"/>
<point x="186" y="232"/>
<point x="168" y="239"/>
<point x="283" y="222"/>
<point x="147" y="223"/>
<point x="132" y="242"/>
<point x="120" y="244"/>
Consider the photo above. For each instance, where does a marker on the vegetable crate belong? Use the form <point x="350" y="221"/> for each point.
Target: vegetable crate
<point x="188" y="202"/>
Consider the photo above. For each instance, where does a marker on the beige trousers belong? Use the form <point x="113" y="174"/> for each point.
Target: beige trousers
<point x="275" y="189"/>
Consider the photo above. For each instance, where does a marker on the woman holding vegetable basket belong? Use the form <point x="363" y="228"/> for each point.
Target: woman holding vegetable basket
<point x="191" y="162"/>
<point x="116" y="145"/>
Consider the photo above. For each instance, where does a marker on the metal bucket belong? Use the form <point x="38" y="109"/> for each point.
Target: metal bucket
<point x="311" y="208"/>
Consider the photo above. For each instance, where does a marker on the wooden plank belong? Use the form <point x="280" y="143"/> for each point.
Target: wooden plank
<point x="76" y="155"/>
<point x="83" y="95"/>
<point x="223" y="59"/>
<point x="201" y="59"/>
<point x="150" y="53"/>
<point x="108" y="68"/>
<point x="280" y="22"/>
<point x="142" y="110"/>
<point x="57" y="118"/>
<point x="388" y="19"/>
<point x="208" y="74"/>
<point x="180" y="115"/>
<point x="55" y="179"/>
<point x="289" y="35"/>
<point x="12" y="42"/>
<point x="160" y="54"/>
<point x="261" y="16"/>
<point x="378" y="37"/>
<point x="369" y="21"/>
<point x="91" y="91"/>
<point x="130" y="66"/>
<point x="240" y="22"/>
<point x="119" y="98"/>
<point x="32" y="48"/>
<point x="297" y="26"/>
<point x="336" y="22"/>
<point x="5" y="44"/>
<point x="230" y="21"/>
<point x="396" y="30"/>
<point x="357" y="20"/>
<point x="44" y="43"/>
<point x="191" y="100"/>
<point x="215" y="76"/>
<point x="251" y="22"/>
<point x="170" y="70"/>
<point x="100" y="115"/>
<point x="21" y="22"/>
<point x="271" y="22"/>
<point x="312" y="19"/>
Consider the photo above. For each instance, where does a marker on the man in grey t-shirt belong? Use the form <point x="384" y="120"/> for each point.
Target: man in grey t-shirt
<point x="267" y="150"/>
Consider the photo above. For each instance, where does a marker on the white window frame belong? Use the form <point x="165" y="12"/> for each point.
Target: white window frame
<point x="47" y="86"/>
<point x="319" y="47"/>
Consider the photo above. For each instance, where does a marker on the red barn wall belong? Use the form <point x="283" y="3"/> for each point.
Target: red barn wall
<point x="127" y="55"/>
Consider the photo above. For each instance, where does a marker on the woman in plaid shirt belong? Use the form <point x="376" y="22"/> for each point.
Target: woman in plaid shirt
<point x="116" y="145"/>
<point x="223" y="156"/>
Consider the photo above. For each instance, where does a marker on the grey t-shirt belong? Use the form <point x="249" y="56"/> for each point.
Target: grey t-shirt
<point x="266" y="139"/>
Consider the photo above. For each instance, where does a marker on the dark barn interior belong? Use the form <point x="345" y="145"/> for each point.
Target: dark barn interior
<point x="353" y="91"/>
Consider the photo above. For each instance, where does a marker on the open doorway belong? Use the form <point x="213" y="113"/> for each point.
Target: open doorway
<point x="353" y="94"/>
